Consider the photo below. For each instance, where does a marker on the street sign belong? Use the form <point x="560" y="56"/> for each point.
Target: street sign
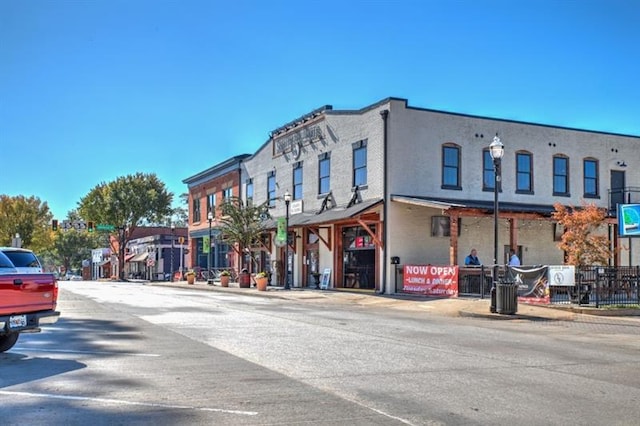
<point x="103" y="227"/>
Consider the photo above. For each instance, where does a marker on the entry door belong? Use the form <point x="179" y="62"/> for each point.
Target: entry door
<point x="312" y="266"/>
<point x="617" y="190"/>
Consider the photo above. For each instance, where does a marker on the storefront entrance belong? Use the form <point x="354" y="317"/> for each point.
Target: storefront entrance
<point x="312" y="269"/>
<point x="359" y="258"/>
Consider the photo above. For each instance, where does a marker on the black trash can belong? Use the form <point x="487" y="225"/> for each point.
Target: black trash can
<point x="506" y="298"/>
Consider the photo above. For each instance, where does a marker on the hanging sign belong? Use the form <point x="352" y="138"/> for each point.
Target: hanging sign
<point x="281" y="235"/>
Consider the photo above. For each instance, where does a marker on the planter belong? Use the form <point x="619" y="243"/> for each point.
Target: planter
<point x="191" y="278"/>
<point x="261" y="283"/>
<point x="224" y="280"/>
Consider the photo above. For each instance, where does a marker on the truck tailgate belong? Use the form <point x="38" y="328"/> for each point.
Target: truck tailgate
<point x="22" y="293"/>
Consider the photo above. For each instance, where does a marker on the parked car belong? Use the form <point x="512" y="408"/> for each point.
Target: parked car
<point x="24" y="260"/>
<point x="6" y="267"/>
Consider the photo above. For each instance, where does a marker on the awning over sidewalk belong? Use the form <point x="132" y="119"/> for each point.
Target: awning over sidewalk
<point x="424" y="202"/>
<point x="446" y="204"/>
<point x="142" y="257"/>
<point x="327" y="216"/>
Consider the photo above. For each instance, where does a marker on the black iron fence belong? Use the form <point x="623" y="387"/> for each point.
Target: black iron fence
<point x="476" y="280"/>
<point x="601" y="285"/>
<point x="594" y="285"/>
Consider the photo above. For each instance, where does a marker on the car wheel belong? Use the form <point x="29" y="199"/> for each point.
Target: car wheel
<point x="7" y="341"/>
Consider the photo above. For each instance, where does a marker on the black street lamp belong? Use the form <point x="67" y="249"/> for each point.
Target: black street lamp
<point x="121" y="251"/>
<point x="173" y="230"/>
<point x="496" y="149"/>
<point x="287" y="200"/>
<point x="209" y="276"/>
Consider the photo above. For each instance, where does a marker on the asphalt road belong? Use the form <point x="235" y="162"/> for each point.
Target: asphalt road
<point x="126" y="354"/>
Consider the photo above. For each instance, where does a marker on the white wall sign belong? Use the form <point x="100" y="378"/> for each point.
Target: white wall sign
<point x="562" y="275"/>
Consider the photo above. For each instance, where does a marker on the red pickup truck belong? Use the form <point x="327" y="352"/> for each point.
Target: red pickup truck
<point x="27" y="301"/>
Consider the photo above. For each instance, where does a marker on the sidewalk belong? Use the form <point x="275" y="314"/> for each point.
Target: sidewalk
<point x="452" y="307"/>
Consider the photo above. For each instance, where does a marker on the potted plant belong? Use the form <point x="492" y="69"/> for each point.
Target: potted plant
<point x="225" y="276"/>
<point x="262" y="279"/>
<point x="242" y="227"/>
<point x="191" y="277"/>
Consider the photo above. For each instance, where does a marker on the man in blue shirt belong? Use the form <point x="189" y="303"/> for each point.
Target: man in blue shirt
<point x="514" y="260"/>
<point x="472" y="259"/>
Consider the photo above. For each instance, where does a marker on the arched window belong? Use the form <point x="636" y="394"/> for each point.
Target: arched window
<point x="590" y="167"/>
<point x="450" y="166"/>
<point x="561" y="175"/>
<point x="524" y="172"/>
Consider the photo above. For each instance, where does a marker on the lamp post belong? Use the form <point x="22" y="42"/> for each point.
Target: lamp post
<point x="173" y="230"/>
<point x="209" y="277"/>
<point x="496" y="149"/>
<point x="287" y="200"/>
<point x="121" y="251"/>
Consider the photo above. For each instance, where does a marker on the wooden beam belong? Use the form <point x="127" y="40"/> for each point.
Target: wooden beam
<point x="374" y="237"/>
<point x="453" y="238"/>
<point x="315" y="230"/>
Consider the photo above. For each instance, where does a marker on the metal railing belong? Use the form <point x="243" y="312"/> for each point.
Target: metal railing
<point x="601" y="286"/>
<point x="476" y="280"/>
<point x="594" y="285"/>
<point x="203" y="274"/>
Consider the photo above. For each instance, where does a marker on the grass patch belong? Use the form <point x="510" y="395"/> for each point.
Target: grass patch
<point x="636" y="306"/>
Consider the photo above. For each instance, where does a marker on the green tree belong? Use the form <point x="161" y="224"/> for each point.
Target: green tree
<point x="583" y="240"/>
<point x="71" y="247"/>
<point x="241" y="224"/>
<point x="27" y="216"/>
<point x="126" y="203"/>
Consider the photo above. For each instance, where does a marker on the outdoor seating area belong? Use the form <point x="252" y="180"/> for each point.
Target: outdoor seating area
<point x="594" y="285"/>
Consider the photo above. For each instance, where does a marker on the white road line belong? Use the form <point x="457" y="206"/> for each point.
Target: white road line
<point x="27" y="349"/>
<point x="122" y="402"/>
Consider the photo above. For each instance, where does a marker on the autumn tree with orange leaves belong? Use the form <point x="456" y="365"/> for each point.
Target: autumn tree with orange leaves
<point x="583" y="241"/>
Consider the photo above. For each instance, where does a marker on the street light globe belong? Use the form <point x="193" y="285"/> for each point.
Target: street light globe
<point x="210" y="216"/>
<point x="287" y="197"/>
<point x="496" y="148"/>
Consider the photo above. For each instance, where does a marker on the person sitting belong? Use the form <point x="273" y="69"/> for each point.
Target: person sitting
<point x="472" y="259"/>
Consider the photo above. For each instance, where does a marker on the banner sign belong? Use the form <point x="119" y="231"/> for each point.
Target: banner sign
<point x="206" y="244"/>
<point x="281" y="234"/>
<point x="430" y="280"/>
<point x="533" y="286"/>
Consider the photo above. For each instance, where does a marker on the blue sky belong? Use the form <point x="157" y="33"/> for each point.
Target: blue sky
<point x="93" y="90"/>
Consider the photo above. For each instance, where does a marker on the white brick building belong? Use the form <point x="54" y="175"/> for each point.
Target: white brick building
<point x="428" y="177"/>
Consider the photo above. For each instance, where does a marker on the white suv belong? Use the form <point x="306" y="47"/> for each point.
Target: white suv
<point x="25" y="261"/>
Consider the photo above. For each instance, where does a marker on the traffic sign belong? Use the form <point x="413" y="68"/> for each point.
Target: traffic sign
<point x="103" y="227"/>
<point x="75" y="224"/>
